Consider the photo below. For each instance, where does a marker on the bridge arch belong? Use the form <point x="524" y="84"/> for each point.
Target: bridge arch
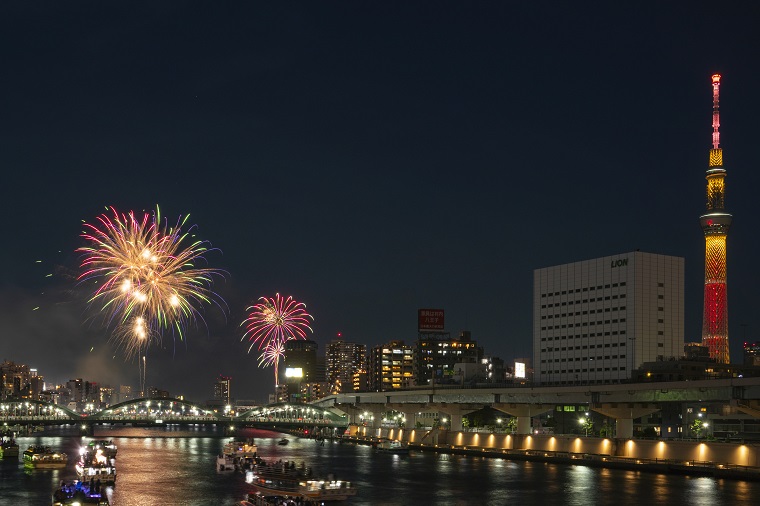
<point x="294" y="411"/>
<point x="9" y="405"/>
<point x="154" y="404"/>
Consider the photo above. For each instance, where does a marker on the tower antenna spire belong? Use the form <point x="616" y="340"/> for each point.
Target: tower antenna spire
<point x="716" y="110"/>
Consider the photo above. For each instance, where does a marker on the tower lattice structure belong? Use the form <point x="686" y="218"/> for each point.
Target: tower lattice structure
<point x="715" y="224"/>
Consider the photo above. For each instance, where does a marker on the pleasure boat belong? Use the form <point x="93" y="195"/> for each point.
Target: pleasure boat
<point x="393" y="446"/>
<point x="8" y="448"/>
<point x="225" y="463"/>
<point x="42" y="457"/>
<point x="288" y="482"/>
<point x="96" y="467"/>
<point x="109" y="449"/>
<point x="283" y="441"/>
<point x="240" y="449"/>
<point x="80" y="493"/>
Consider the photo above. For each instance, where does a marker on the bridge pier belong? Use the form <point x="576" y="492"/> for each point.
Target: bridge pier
<point x="409" y="410"/>
<point x="624" y="414"/>
<point x="524" y="414"/>
<point x="455" y="412"/>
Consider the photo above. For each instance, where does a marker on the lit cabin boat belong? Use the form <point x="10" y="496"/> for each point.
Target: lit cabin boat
<point x="240" y="449"/>
<point x="79" y="493"/>
<point x="96" y="467"/>
<point x="42" y="457"/>
<point x="109" y="449"/>
<point x="393" y="446"/>
<point x="225" y="463"/>
<point x="290" y="483"/>
<point x="8" y="448"/>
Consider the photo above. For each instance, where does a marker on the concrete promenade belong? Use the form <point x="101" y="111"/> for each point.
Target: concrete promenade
<point x="699" y="458"/>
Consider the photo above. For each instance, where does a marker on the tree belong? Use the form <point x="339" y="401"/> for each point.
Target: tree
<point x="699" y="428"/>
<point x="607" y="430"/>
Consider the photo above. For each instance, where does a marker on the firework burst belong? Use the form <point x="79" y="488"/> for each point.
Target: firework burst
<point x="146" y="276"/>
<point x="276" y="319"/>
<point x="271" y="323"/>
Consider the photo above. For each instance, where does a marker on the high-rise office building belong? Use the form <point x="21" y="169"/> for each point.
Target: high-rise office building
<point x="595" y="321"/>
<point x="300" y="361"/>
<point x="223" y="389"/>
<point x="437" y="353"/>
<point x="390" y="367"/>
<point x="344" y="360"/>
<point x="16" y="379"/>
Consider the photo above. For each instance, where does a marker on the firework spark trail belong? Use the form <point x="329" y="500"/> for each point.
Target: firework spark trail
<point x="271" y="356"/>
<point x="276" y="319"/>
<point x="145" y="269"/>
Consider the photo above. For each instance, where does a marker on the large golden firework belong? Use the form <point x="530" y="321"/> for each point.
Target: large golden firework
<point x="145" y="276"/>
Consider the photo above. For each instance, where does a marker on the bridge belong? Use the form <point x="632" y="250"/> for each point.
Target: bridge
<point x="160" y="411"/>
<point x="622" y="402"/>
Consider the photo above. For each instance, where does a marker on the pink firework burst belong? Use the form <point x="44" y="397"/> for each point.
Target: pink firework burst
<point x="276" y="320"/>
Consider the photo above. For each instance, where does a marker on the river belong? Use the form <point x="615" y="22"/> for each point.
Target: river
<point x="177" y="467"/>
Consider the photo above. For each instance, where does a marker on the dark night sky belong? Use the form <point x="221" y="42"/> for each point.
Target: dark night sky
<point x="368" y="158"/>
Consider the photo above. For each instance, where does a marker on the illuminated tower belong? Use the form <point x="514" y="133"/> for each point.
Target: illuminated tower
<point x="715" y="224"/>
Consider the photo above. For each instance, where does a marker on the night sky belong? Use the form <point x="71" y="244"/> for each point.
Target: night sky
<point x="367" y="158"/>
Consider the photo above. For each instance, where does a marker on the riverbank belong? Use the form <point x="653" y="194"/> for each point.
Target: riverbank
<point x="663" y="466"/>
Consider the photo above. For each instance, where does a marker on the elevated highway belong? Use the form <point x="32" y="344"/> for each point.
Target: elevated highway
<point x="623" y="402"/>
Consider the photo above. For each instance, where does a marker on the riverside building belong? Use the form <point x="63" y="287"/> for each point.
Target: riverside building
<point x="595" y="321"/>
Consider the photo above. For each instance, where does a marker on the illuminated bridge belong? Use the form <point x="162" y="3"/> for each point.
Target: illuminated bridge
<point x="622" y="402"/>
<point x="19" y="414"/>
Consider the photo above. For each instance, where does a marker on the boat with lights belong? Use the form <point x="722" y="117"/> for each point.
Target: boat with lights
<point x="284" y="481"/>
<point x="42" y="457"/>
<point x="80" y="493"/>
<point x="240" y="449"/>
<point x="108" y="448"/>
<point x="96" y="467"/>
<point x="8" y="448"/>
<point x="225" y="463"/>
<point x="393" y="446"/>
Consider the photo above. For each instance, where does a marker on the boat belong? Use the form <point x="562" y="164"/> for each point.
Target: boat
<point x="283" y="441"/>
<point x="225" y="463"/>
<point x="95" y="467"/>
<point x="8" y="448"/>
<point x="80" y="493"/>
<point x="392" y="446"/>
<point x="284" y="481"/>
<point x="109" y="449"/>
<point x="42" y="457"/>
<point x="240" y="449"/>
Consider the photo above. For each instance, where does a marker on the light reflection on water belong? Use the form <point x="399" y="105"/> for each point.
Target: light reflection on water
<point x="160" y="467"/>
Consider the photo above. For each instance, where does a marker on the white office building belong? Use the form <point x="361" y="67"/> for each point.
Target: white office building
<point x="595" y="321"/>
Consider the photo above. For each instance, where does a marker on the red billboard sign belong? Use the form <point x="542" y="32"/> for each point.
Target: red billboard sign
<point x="430" y="319"/>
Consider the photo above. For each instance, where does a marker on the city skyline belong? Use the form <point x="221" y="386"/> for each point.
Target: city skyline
<point x="368" y="161"/>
